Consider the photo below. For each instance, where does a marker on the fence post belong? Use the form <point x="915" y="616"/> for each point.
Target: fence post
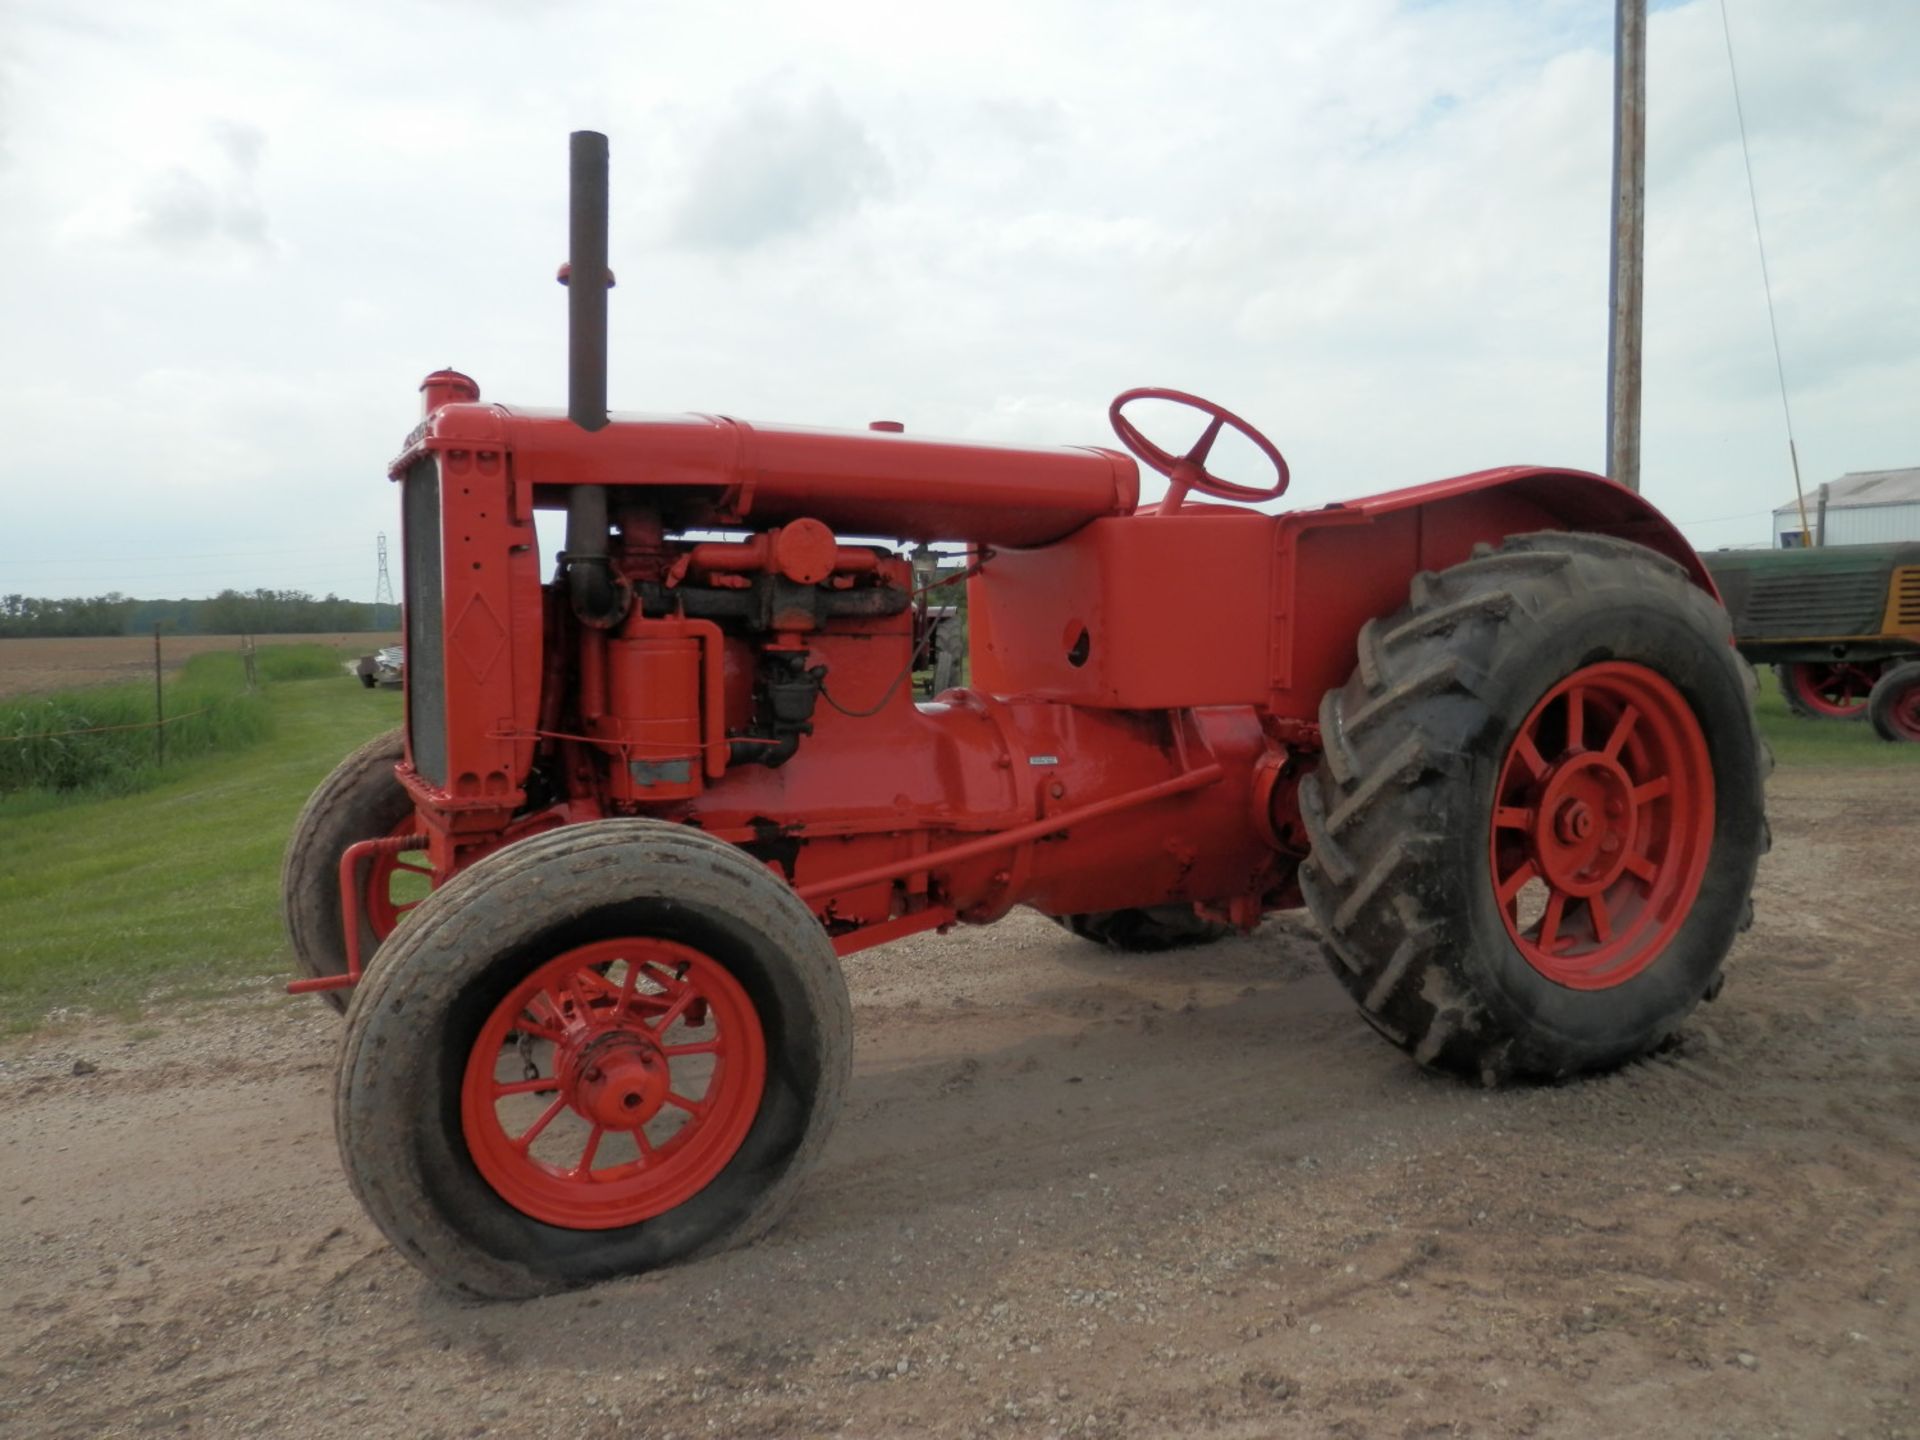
<point x="159" y="706"/>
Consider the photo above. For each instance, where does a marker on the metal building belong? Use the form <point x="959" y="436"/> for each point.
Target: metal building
<point x="1866" y="507"/>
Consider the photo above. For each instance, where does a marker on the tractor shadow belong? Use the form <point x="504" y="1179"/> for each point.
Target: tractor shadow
<point x="975" y="1130"/>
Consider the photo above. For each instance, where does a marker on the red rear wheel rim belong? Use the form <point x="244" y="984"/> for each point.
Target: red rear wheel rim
<point x="613" y="1083"/>
<point x="1602" y="823"/>
<point x="1838" y="689"/>
<point x="378" y="902"/>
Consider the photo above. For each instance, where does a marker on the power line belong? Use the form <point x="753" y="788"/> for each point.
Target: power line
<point x="1766" y="280"/>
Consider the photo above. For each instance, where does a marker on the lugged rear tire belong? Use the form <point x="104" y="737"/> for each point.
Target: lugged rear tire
<point x="1145" y="931"/>
<point x="1422" y="744"/>
<point x="480" y="1212"/>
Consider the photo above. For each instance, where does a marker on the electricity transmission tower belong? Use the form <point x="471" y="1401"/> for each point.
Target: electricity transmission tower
<point x="383" y="602"/>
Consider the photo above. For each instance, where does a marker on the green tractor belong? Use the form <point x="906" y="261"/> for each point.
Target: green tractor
<point x="1839" y="624"/>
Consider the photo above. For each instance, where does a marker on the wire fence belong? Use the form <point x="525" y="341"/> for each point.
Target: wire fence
<point x="119" y="737"/>
<point x="103" y="729"/>
<point x="248" y="668"/>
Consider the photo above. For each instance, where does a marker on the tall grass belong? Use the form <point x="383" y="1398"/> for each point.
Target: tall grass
<point x="109" y="901"/>
<point x="213" y="711"/>
<point x="292" y="662"/>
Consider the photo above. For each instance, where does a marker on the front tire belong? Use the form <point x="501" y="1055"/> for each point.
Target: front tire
<point x="1894" y="705"/>
<point x="604" y="1049"/>
<point x="1539" y="810"/>
<point x="360" y="800"/>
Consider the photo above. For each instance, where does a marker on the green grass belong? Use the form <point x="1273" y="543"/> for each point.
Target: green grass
<point x="289" y="662"/>
<point x="215" y="711"/>
<point x="1797" y="741"/>
<point x="106" y="901"/>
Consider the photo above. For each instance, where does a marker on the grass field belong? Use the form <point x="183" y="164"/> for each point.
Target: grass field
<point x="107" y="904"/>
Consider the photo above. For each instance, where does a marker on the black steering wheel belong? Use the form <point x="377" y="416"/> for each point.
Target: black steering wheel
<point x="1189" y="471"/>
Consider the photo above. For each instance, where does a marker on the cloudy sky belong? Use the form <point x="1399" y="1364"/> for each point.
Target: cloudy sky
<point x="233" y="237"/>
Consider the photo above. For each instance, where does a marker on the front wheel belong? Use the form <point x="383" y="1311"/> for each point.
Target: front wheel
<point x="1539" y="810"/>
<point x="1894" y="705"/>
<point x="361" y="800"/>
<point x="599" y="1051"/>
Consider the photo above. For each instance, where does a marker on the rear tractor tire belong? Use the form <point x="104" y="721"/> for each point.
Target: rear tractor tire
<point x="1145" y="931"/>
<point x="1538" y="811"/>
<point x="1817" y="690"/>
<point x="361" y="799"/>
<point x="602" y="1050"/>
<point x="1894" y="705"/>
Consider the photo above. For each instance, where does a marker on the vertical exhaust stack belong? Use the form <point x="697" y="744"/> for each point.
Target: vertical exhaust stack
<point x="587" y="282"/>
<point x="596" y="599"/>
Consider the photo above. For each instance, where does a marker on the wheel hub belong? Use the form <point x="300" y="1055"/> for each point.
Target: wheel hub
<point x="618" y="1079"/>
<point x="1585" y="820"/>
<point x="1575" y="822"/>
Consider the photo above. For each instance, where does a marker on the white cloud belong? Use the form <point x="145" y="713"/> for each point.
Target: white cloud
<point x="235" y="237"/>
<point x="776" y="166"/>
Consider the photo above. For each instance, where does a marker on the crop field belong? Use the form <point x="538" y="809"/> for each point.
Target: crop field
<point x="31" y="666"/>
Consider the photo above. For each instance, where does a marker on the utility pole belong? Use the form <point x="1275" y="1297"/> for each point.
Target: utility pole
<point x="1628" y="242"/>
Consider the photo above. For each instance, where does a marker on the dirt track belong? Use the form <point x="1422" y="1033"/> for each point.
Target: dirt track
<point x="1071" y="1194"/>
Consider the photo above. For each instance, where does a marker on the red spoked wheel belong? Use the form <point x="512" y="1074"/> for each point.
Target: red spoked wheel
<point x="1529" y="862"/>
<point x="1894" y="706"/>
<point x="1903" y="715"/>
<point x="1829" y="691"/>
<point x="613" y="1083"/>
<point x="1602" y="825"/>
<point x="604" y="1048"/>
<point x="395" y="883"/>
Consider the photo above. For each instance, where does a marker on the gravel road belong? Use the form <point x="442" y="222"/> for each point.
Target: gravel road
<point x="1072" y="1194"/>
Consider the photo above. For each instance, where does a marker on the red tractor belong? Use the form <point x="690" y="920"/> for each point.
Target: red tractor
<point x="1490" y="730"/>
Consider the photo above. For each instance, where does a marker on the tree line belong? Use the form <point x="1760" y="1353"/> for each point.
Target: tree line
<point x="231" y="612"/>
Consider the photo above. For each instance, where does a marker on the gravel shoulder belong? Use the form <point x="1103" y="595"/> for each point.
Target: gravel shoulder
<point x="1072" y="1193"/>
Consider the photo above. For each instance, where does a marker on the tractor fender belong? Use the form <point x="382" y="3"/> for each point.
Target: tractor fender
<point x="1541" y="497"/>
<point x="1350" y="562"/>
